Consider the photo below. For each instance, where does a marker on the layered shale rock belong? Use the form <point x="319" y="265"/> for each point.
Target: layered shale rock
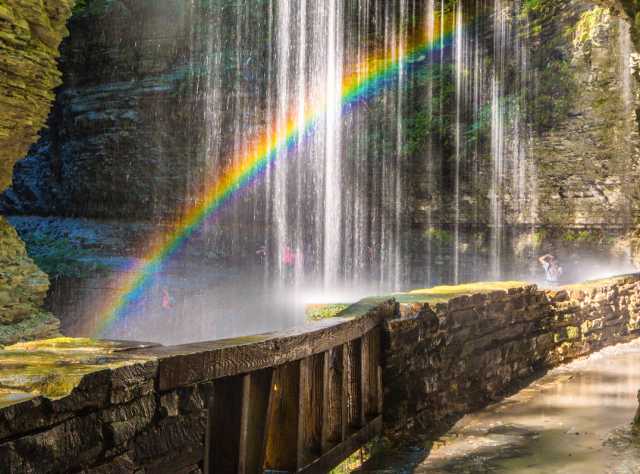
<point x="126" y="131"/>
<point x="588" y="163"/>
<point x="30" y="33"/>
<point x="23" y="288"/>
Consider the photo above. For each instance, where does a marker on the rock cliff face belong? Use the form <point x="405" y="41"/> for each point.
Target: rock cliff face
<point x="588" y="164"/>
<point x="30" y="33"/>
<point x="118" y="145"/>
<point x="576" y="158"/>
<point x="23" y="288"/>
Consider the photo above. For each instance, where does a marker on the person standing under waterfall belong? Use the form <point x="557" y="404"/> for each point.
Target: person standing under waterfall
<point x="552" y="269"/>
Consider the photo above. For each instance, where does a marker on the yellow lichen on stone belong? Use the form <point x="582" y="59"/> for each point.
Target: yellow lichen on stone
<point x="589" y="27"/>
<point x="61" y="344"/>
<point x="442" y="294"/>
<point x="54" y="367"/>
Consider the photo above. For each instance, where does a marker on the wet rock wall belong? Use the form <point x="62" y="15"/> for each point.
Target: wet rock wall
<point x="30" y="34"/>
<point x="446" y="360"/>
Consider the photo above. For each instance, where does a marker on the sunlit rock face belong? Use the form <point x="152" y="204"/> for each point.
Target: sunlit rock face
<point x="30" y="33"/>
<point x="23" y="288"/>
<point x="588" y="161"/>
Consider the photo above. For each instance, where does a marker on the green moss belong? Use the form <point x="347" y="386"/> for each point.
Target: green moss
<point x="555" y="88"/>
<point x="538" y="237"/>
<point x="38" y="324"/>
<point x="53" y="368"/>
<point x="442" y="294"/>
<point x="440" y="236"/>
<point x="589" y="26"/>
<point x="59" y="257"/>
<point x="581" y="236"/>
<point x="573" y="333"/>
<point x="317" y="312"/>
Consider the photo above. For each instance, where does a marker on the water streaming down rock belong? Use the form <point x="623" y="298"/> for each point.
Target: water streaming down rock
<point x="320" y="217"/>
<point x="330" y="213"/>
<point x="512" y="188"/>
<point x="420" y="185"/>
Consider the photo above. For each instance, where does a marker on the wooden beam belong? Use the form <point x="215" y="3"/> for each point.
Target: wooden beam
<point x="225" y="414"/>
<point x="209" y="438"/>
<point x="311" y="408"/>
<point x="371" y="370"/>
<point x="339" y="453"/>
<point x="255" y="400"/>
<point x="185" y="365"/>
<point x="353" y="386"/>
<point x="281" y="444"/>
<point x="332" y="399"/>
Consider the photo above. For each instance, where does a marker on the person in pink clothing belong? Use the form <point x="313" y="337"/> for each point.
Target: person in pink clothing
<point x="289" y="257"/>
<point x="167" y="301"/>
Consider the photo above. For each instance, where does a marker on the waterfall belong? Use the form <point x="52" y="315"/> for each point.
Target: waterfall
<point x="461" y="67"/>
<point x="325" y="213"/>
<point x="412" y="187"/>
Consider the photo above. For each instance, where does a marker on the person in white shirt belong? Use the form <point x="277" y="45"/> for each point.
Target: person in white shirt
<point x="552" y="269"/>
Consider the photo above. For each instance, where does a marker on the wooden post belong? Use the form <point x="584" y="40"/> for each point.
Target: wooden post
<point x="371" y="371"/>
<point x="311" y="407"/>
<point x="255" y="400"/>
<point x="281" y="445"/>
<point x="353" y="385"/>
<point x="332" y="399"/>
<point x="225" y="415"/>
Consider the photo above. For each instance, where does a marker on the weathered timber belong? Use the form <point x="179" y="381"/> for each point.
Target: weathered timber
<point x="282" y="420"/>
<point x="332" y="401"/>
<point x="336" y="455"/>
<point x="255" y="403"/>
<point x="187" y="364"/>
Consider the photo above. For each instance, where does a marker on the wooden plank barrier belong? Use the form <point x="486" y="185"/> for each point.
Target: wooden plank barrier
<point x="303" y="416"/>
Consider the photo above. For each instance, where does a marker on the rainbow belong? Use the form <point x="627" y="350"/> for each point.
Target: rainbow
<point x="365" y="82"/>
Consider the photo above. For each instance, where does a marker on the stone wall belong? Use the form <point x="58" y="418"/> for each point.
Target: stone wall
<point x="445" y="360"/>
<point x="148" y="412"/>
<point x="30" y="33"/>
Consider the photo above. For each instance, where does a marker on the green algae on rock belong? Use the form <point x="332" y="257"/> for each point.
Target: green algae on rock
<point x="23" y="288"/>
<point x="444" y="293"/>
<point x="53" y="368"/>
<point x="30" y="34"/>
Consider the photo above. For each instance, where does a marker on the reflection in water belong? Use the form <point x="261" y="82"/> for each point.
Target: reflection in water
<point x="575" y="420"/>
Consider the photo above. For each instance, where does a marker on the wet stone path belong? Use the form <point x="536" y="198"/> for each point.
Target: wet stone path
<point x="574" y="420"/>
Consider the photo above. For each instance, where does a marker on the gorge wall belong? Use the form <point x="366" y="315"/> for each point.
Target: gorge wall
<point x="567" y="157"/>
<point x="30" y="34"/>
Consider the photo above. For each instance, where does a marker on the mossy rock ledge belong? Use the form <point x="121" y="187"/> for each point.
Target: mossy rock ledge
<point x="30" y="35"/>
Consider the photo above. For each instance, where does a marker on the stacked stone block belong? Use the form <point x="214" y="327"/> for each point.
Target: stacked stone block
<point x="446" y="360"/>
<point x="439" y="362"/>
